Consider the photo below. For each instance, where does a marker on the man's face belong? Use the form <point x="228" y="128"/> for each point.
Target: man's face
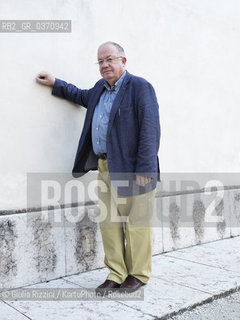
<point x="112" y="70"/>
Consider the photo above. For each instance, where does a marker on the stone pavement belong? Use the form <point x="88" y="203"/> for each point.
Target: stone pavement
<point x="180" y="280"/>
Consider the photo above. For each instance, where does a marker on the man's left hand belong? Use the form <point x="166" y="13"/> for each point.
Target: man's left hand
<point x="142" y="181"/>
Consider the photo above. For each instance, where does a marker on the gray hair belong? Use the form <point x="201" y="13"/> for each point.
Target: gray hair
<point x="116" y="45"/>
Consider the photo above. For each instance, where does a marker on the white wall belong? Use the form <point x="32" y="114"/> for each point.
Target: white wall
<point x="188" y="49"/>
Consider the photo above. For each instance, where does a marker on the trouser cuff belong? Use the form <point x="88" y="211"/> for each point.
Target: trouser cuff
<point x="115" y="278"/>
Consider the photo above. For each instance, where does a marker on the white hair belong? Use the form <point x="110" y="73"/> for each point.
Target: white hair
<point x="116" y="45"/>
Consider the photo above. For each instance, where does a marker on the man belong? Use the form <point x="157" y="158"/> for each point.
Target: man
<point x="120" y="138"/>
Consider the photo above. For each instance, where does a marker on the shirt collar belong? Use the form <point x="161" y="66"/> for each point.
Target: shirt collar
<point x="117" y="83"/>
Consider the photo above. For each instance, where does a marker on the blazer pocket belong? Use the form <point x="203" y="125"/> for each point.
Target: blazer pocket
<point x="123" y="111"/>
<point x="127" y="115"/>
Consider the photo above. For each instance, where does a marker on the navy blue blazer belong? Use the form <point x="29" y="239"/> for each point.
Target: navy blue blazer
<point x="133" y="133"/>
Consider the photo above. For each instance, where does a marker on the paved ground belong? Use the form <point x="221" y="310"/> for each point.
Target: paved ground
<point x="226" y="308"/>
<point x="180" y="280"/>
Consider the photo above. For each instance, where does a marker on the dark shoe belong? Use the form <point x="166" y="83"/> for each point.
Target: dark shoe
<point x="107" y="287"/>
<point x="131" y="284"/>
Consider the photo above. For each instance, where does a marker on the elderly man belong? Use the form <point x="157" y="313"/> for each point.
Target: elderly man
<point x="120" y="138"/>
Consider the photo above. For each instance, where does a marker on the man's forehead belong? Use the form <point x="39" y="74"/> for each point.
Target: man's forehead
<point x="105" y="57"/>
<point x="107" y="50"/>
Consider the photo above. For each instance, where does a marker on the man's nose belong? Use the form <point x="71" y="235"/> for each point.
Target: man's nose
<point x="105" y="63"/>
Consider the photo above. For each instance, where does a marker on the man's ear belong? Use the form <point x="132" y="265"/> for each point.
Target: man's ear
<point x="124" y="60"/>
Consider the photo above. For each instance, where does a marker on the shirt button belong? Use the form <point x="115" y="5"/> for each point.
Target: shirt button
<point x="97" y="142"/>
<point x="100" y="116"/>
<point x="96" y="128"/>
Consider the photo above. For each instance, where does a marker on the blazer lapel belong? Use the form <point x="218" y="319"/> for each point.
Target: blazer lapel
<point x="95" y="99"/>
<point x="117" y="101"/>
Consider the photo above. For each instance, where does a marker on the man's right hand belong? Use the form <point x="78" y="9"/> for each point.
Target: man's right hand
<point x="45" y="78"/>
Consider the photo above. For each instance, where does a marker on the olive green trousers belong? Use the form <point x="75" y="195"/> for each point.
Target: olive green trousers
<point x="126" y="228"/>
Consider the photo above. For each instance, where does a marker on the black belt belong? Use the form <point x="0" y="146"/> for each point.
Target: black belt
<point x="102" y="156"/>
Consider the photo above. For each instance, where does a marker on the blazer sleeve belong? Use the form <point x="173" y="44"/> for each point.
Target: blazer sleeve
<point x="149" y="130"/>
<point x="70" y="92"/>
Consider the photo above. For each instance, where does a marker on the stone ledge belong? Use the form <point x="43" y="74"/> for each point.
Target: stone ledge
<point x="45" y="245"/>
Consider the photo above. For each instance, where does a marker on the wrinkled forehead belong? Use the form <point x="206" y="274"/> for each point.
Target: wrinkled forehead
<point x="106" y="51"/>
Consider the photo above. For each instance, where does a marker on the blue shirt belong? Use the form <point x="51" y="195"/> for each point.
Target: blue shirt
<point x="101" y="116"/>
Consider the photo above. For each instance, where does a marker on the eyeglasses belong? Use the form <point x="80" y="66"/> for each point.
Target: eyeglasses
<point x="108" y="60"/>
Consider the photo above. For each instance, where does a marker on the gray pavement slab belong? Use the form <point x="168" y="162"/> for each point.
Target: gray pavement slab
<point x="180" y="280"/>
<point x="9" y="313"/>
<point x="222" y="254"/>
<point x="160" y="297"/>
<point x="226" y="308"/>
<point x="194" y="275"/>
<point x="75" y="310"/>
<point x="90" y="279"/>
